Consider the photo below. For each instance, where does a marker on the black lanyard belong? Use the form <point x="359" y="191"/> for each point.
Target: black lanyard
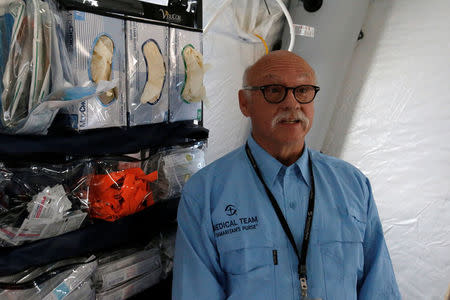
<point x="309" y="216"/>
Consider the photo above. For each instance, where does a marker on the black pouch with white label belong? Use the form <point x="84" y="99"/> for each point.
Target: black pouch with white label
<point x="182" y="13"/>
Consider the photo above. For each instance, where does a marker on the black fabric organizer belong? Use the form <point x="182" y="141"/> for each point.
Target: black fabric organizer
<point x="99" y="142"/>
<point x="60" y="145"/>
<point x="137" y="229"/>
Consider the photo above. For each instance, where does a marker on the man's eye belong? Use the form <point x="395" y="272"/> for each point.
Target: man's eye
<point x="275" y="90"/>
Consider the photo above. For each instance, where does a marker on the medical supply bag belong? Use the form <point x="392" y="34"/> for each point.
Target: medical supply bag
<point x="41" y="200"/>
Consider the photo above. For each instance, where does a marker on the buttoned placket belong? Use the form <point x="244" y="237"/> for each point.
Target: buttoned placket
<point x="294" y="202"/>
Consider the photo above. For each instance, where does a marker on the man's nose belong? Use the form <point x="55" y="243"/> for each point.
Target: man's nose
<point x="290" y="100"/>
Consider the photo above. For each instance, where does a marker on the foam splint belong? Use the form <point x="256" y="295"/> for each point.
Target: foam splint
<point x="101" y="65"/>
<point x="193" y="89"/>
<point x="156" y="73"/>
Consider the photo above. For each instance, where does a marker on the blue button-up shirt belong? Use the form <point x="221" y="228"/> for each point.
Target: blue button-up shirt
<point x="230" y="244"/>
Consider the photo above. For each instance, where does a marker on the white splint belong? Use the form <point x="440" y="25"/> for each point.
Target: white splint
<point x="193" y="90"/>
<point x="156" y="73"/>
<point x="101" y="65"/>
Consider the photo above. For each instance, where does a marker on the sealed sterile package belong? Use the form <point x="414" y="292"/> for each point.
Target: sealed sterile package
<point x="26" y="71"/>
<point x="175" y="166"/>
<point x="53" y="282"/>
<point x="186" y="75"/>
<point x="114" y="269"/>
<point x="41" y="200"/>
<point x="119" y="188"/>
<point x="131" y="287"/>
<point x="8" y="14"/>
<point x="85" y="291"/>
<point x="35" y="72"/>
<point x="73" y="280"/>
<point x="166" y="244"/>
<point x="147" y="65"/>
<point x="96" y="46"/>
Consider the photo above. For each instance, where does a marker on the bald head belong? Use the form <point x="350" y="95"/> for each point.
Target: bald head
<point x="265" y="68"/>
<point x="279" y="127"/>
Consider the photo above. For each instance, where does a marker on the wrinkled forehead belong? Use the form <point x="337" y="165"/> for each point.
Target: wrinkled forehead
<point x="274" y="78"/>
<point x="288" y="71"/>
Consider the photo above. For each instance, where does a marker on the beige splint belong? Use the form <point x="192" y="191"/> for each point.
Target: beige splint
<point x="101" y="65"/>
<point x="156" y="73"/>
<point x="194" y="90"/>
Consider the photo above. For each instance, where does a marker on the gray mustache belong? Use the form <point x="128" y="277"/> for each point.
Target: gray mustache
<point x="291" y="115"/>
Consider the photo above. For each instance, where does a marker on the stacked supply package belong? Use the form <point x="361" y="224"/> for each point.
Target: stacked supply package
<point x="175" y="166"/>
<point x="125" y="273"/>
<point x="41" y="200"/>
<point x="96" y="45"/>
<point x="186" y="72"/>
<point x="147" y="65"/>
<point x="109" y="63"/>
<point x="69" y="279"/>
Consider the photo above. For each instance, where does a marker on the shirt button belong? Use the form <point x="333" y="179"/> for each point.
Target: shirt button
<point x="292" y="205"/>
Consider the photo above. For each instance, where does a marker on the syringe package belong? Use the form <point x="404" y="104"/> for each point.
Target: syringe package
<point x="53" y="282"/>
<point x="147" y="64"/>
<point x="186" y="75"/>
<point x="96" y="45"/>
<point x="85" y="291"/>
<point x="43" y="200"/>
<point x="115" y="269"/>
<point x="175" y="166"/>
<point x="132" y="287"/>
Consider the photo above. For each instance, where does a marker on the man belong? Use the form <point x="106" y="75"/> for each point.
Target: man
<point x="231" y="242"/>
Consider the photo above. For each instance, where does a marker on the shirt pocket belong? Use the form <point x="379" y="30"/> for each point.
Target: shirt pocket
<point x="341" y="249"/>
<point x="250" y="273"/>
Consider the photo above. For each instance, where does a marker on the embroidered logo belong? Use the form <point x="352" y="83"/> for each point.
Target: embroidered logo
<point x="230" y="210"/>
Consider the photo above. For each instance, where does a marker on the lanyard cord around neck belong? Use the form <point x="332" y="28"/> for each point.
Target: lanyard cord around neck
<point x="309" y="216"/>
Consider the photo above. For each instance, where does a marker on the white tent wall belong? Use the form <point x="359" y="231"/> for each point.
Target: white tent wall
<point x="393" y="122"/>
<point x="230" y="50"/>
<point x="336" y="28"/>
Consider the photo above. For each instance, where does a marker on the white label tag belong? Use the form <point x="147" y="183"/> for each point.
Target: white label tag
<point x="304" y="30"/>
<point x="50" y="203"/>
<point x="31" y="229"/>
<point x="158" y="2"/>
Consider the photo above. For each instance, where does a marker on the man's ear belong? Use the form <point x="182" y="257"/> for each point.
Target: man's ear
<point x="244" y="100"/>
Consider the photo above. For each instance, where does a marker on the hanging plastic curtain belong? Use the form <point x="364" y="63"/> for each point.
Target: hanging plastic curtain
<point x="255" y="21"/>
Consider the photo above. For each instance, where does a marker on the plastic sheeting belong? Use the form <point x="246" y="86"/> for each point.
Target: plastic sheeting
<point x="392" y="121"/>
<point x="229" y="55"/>
<point x="327" y="44"/>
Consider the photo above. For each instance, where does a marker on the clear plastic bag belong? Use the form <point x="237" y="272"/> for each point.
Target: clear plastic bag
<point x="120" y="266"/>
<point x="85" y="291"/>
<point x="35" y="67"/>
<point x="179" y="108"/>
<point x="55" y="281"/>
<point x="166" y="243"/>
<point x="41" y="200"/>
<point x="132" y="287"/>
<point x="175" y="166"/>
<point x="119" y="188"/>
<point x="148" y="100"/>
<point x="96" y="47"/>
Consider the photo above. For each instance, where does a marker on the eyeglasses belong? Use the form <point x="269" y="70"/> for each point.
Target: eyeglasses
<point x="276" y="93"/>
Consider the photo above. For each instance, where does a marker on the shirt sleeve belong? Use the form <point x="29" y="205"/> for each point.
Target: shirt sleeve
<point x="378" y="281"/>
<point x="197" y="272"/>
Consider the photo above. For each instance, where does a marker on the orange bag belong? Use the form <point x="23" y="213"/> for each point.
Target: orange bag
<point x="120" y="193"/>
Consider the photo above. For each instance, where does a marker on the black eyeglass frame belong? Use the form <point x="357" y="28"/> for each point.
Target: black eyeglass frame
<point x="286" y="88"/>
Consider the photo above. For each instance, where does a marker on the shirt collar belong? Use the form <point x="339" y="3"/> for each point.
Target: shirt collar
<point x="270" y="166"/>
